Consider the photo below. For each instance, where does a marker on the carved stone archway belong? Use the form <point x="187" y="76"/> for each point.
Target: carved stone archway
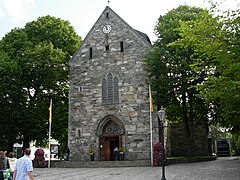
<point x="110" y="132"/>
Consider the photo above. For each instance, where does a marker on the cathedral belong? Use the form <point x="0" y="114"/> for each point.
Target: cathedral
<point x="108" y="98"/>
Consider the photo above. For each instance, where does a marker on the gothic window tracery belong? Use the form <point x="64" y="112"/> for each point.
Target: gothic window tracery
<point x="112" y="128"/>
<point x="116" y="90"/>
<point x="110" y="89"/>
<point x="104" y="91"/>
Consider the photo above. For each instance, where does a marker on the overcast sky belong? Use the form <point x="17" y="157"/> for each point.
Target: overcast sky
<point x="82" y="14"/>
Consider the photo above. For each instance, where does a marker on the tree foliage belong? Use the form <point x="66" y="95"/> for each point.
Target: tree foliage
<point x="171" y="73"/>
<point x="216" y="44"/>
<point x="9" y="99"/>
<point x="34" y="69"/>
<point x="194" y="66"/>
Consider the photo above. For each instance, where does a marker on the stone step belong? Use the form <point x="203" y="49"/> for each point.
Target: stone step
<point x="98" y="164"/>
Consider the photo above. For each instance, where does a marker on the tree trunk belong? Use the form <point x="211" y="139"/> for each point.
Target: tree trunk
<point x="26" y="144"/>
<point x="191" y="126"/>
<point x="9" y="148"/>
<point x="188" y="123"/>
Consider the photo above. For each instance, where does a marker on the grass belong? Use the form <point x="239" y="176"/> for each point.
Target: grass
<point x="179" y="159"/>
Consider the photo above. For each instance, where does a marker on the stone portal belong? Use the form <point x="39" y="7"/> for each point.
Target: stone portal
<point x="111" y="135"/>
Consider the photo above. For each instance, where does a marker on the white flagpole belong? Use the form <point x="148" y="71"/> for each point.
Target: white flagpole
<point x="150" y="115"/>
<point x="49" y="137"/>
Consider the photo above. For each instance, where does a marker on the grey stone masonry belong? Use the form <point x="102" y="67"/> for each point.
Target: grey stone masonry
<point x="117" y="58"/>
<point x="177" y="142"/>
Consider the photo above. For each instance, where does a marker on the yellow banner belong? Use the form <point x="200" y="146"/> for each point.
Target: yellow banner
<point x="150" y="99"/>
<point x="50" y="112"/>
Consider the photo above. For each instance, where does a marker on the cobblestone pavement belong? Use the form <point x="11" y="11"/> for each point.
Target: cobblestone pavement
<point x="223" y="168"/>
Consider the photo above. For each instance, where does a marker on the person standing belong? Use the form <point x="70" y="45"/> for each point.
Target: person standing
<point x="115" y="153"/>
<point x="67" y="154"/>
<point x="12" y="163"/>
<point x="3" y="164"/>
<point x="24" y="167"/>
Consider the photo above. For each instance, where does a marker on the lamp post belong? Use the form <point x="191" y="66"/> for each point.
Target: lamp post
<point x="161" y="116"/>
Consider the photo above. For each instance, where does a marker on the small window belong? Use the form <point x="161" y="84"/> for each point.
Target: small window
<point x="90" y="53"/>
<point x="80" y="89"/>
<point x="78" y="132"/>
<point x="107" y="47"/>
<point x="121" y="46"/>
<point x="107" y="15"/>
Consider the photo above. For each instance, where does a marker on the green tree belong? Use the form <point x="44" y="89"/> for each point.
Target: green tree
<point x="236" y="143"/>
<point x="8" y="101"/>
<point x="171" y="74"/>
<point x="41" y="52"/>
<point x="216" y="44"/>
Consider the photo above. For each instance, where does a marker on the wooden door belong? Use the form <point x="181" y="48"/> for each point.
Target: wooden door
<point x="101" y="148"/>
<point x="107" y="145"/>
<point x="107" y="149"/>
<point x="113" y="143"/>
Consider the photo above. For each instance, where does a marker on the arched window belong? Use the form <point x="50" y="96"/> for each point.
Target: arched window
<point x="112" y="128"/>
<point x="115" y="90"/>
<point x="104" y="91"/>
<point x="110" y="90"/>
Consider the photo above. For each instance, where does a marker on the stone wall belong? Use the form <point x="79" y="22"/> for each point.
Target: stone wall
<point x="177" y="141"/>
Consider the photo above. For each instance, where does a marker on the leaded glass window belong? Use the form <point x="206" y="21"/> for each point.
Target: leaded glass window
<point x="110" y="89"/>
<point x="116" y="91"/>
<point x="104" y="91"/>
<point x="112" y="128"/>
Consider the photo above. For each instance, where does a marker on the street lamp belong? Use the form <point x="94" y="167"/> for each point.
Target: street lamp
<point x="161" y="116"/>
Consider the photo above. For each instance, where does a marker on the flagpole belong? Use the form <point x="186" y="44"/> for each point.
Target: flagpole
<point x="150" y="115"/>
<point x="49" y="134"/>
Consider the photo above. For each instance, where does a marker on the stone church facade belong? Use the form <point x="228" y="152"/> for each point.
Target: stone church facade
<point x="108" y="100"/>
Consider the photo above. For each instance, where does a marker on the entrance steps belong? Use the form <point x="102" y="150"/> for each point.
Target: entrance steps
<point x="98" y="164"/>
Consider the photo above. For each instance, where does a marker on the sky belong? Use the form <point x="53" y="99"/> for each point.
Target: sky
<point x="82" y="14"/>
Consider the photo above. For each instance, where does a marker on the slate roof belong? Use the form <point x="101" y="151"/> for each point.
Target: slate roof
<point x="145" y="36"/>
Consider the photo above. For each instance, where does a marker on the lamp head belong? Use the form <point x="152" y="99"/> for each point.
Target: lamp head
<point x="161" y="115"/>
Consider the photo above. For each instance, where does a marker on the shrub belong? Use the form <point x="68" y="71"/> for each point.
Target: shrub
<point x="157" y="154"/>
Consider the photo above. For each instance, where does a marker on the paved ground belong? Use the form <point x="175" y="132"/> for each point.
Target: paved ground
<point x="221" y="169"/>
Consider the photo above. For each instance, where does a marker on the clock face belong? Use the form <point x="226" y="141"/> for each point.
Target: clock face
<point x="107" y="28"/>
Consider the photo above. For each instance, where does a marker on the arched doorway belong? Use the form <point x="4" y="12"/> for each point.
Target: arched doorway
<point x="110" y="135"/>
